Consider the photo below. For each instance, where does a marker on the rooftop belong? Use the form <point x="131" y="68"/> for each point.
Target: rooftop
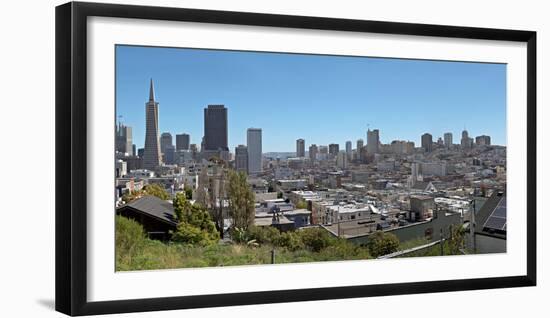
<point x="154" y="207"/>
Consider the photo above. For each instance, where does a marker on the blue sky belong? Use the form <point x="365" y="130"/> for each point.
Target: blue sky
<point x="322" y="99"/>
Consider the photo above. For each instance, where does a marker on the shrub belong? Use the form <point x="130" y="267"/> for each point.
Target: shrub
<point x="195" y="225"/>
<point x="290" y="241"/>
<point x="316" y="239"/>
<point x="381" y="243"/>
<point x="263" y="234"/>
<point x="150" y="189"/>
<point x="129" y="235"/>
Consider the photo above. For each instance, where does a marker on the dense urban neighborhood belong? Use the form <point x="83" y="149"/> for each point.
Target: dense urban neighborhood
<point x="183" y="204"/>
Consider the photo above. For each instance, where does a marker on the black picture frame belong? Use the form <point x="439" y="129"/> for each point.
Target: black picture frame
<point x="71" y="157"/>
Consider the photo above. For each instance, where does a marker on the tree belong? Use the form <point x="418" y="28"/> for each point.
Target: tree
<point x="241" y="200"/>
<point x="156" y="190"/>
<point x="301" y="205"/>
<point x="194" y="223"/>
<point x="381" y="243"/>
<point x="316" y="239"/>
<point x="218" y="198"/>
<point x="150" y="189"/>
<point x="202" y="190"/>
<point x="188" y="192"/>
<point x="457" y="240"/>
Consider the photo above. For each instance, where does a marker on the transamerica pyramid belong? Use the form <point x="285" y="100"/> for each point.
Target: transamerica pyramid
<point x="151" y="152"/>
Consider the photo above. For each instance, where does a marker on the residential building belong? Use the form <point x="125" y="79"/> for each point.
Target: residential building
<point x="241" y="158"/>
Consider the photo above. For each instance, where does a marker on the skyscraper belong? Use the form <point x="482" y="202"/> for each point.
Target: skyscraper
<point x="466" y="142"/>
<point x="215" y="128"/>
<point x="123" y="139"/>
<point x="300" y="148"/>
<point x="241" y="158"/>
<point x="182" y="142"/>
<point x="151" y="152"/>
<point x="165" y="141"/>
<point x="254" y="145"/>
<point x="333" y="150"/>
<point x="169" y="154"/>
<point x="427" y="142"/>
<point x="313" y="152"/>
<point x="373" y="140"/>
<point x="448" y="139"/>
<point x="342" y="160"/>
<point x="360" y="144"/>
<point x="348" y="149"/>
<point x="483" y="140"/>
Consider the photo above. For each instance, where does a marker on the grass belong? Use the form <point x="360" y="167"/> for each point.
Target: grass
<point x="136" y="252"/>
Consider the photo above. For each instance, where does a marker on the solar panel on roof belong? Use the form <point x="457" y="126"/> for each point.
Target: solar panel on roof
<point x="500" y="212"/>
<point x="495" y="223"/>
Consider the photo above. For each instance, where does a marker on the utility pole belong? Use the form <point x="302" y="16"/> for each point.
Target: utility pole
<point x="473" y="226"/>
<point x="441" y="241"/>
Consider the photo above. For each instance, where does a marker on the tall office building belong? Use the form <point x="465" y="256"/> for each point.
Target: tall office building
<point x="427" y="142"/>
<point x="373" y="141"/>
<point x="448" y="138"/>
<point x="151" y="152"/>
<point x="169" y="154"/>
<point x="466" y="142"/>
<point x="254" y="145"/>
<point x="333" y="150"/>
<point x="165" y="141"/>
<point x="241" y="158"/>
<point x="348" y="149"/>
<point x="215" y="128"/>
<point x="483" y="140"/>
<point x="360" y="144"/>
<point x="313" y="150"/>
<point x="300" y="148"/>
<point x="342" y="160"/>
<point x="123" y="140"/>
<point x="182" y="142"/>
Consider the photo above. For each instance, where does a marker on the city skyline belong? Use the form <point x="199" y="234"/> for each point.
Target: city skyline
<point x="479" y="87"/>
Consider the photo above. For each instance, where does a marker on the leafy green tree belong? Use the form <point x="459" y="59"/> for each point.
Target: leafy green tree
<point x="194" y="223"/>
<point x="156" y="190"/>
<point x="301" y="205"/>
<point x="188" y="192"/>
<point x="290" y="240"/>
<point x="381" y="243"/>
<point x="457" y="240"/>
<point x="150" y="189"/>
<point x="129" y="235"/>
<point x="316" y="238"/>
<point x="241" y="200"/>
<point x="264" y="234"/>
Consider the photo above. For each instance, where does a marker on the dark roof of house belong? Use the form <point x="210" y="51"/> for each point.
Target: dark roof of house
<point x="485" y="212"/>
<point x="421" y="185"/>
<point x="154" y="207"/>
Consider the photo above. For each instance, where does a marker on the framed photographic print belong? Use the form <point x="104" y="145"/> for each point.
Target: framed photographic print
<point x="214" y="158"/>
